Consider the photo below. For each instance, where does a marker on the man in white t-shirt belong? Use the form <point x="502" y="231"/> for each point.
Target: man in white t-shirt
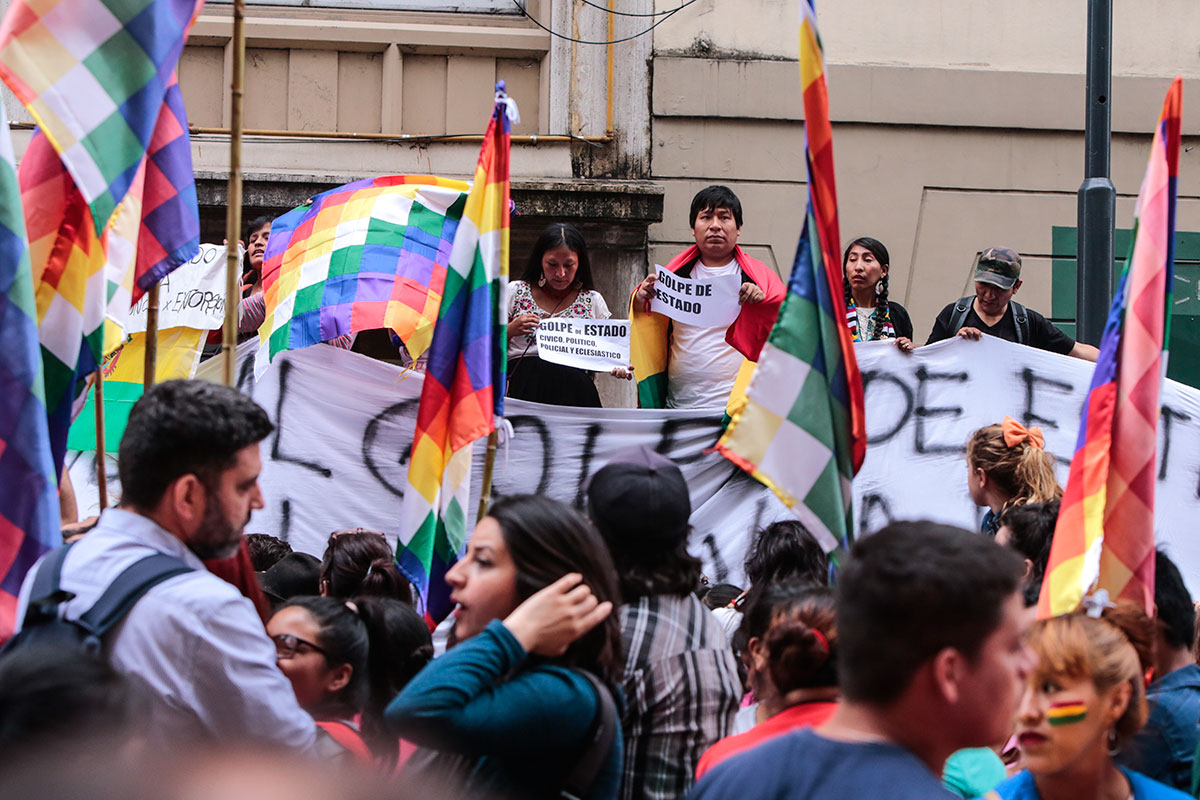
<point x="702" y="363"/>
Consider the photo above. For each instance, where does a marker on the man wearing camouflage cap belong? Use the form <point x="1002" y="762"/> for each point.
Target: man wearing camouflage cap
<point x="993" y="311"/>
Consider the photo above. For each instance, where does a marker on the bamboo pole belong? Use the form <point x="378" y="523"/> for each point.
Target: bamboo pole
<point x="233" y="199"/>
<point x="150" y="374"/>
<point x="101" y="473"/>
<point x="489" y="464"/>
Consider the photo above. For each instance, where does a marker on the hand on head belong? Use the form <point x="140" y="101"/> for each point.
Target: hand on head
<point x="554" y="617"/>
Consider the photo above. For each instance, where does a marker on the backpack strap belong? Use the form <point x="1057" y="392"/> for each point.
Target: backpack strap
<point x="959" y="315"/>
<point x="1020" y="321"/>
<point x="45" y="596"/>
<point x="129" y="587"/>
<point x="597" y="745"/>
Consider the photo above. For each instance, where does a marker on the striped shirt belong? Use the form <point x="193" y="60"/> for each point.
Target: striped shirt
<point x="681" y="693"/>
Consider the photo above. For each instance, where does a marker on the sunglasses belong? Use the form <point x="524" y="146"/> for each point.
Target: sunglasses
<point x="287" y="645"/>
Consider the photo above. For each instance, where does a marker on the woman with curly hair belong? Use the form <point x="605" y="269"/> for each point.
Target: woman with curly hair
<point x="870" y="314"/>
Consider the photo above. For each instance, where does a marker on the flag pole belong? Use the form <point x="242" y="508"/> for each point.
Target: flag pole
<point x="150" y="374"/>
<point x="489" y="464"/>
<point x="233" y="199"/>
<point x="101" y="473"/>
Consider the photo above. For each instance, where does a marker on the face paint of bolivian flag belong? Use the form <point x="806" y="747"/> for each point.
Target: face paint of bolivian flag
<point x="1066" y="713"/>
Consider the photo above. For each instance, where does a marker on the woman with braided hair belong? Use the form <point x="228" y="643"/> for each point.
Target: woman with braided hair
<point x="870" y="315"/>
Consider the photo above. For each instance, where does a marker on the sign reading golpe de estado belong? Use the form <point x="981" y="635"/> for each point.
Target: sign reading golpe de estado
<point x="591" y="344"/>
<point x="708" y="302"/>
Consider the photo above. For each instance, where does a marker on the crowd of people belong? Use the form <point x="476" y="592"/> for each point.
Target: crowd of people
<point x="587" y="655"/>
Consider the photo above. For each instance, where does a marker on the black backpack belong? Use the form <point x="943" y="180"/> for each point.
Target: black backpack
<point x="1020" y="317"/>
<point x="44" y="625"/>
<point x="598" y="744"/>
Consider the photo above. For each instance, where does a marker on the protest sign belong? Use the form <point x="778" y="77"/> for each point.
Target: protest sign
<point x="192" y="296"/>
<point x="592" y="344"/>
<point x="708" y="302"/>
<point x="339" y="459"/>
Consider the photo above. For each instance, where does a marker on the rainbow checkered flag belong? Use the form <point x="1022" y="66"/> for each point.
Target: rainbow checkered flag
<point x="95" y="74"/>
<point x="29" y="522"/>
<point x="801" y="429"/>
<point x="1104" y="538"/>
<point x="368" y="255"/>
<point x="463" y="393"/>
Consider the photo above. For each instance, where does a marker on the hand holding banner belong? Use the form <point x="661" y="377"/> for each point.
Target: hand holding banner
<point x="710" y="303"/>
<point x="591" y="344"/>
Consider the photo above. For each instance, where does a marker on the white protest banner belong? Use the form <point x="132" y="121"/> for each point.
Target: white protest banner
<point x="710" y="302"/>
<point x="340" y="456"/>
<point x="593" y="344"/>
<point x="192" y="296"/>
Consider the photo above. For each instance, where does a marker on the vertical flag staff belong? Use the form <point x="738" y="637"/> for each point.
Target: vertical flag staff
<point x="150" y="374"/>
<point x="233" y="210"/>
<point x="101" y="472"/>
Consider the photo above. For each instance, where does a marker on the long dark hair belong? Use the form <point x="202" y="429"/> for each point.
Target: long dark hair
<point x="548" y="539"/>
<point x="361" y="562"/>
<point x="875" y="248"/>
<point x="560" y="234"/>
<point x="385" y="642"/>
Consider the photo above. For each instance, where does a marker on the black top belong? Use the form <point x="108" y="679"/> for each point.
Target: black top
<point x="1042" y="334"/>
<point x="900" y="320"/>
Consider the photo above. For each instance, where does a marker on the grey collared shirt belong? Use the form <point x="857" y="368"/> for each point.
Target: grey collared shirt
<point x="194" y="642"/>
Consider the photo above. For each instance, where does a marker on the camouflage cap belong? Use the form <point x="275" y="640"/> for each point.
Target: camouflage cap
<point x="998" y="266"/>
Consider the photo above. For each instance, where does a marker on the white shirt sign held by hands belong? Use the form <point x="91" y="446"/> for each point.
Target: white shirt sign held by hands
<point x="706" y="303"/>
<point x="592" y="344"/>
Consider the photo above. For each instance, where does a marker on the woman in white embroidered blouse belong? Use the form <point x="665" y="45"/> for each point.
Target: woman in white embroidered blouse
<point x="557" y="282"/>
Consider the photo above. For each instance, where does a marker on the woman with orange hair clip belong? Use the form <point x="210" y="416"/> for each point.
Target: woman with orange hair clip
<point x="1007" y="466"/>
<point x="1083" y="702"/>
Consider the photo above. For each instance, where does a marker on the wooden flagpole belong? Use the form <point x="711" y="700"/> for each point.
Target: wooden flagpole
<point x="489" y="464"/>
<point x="150" y="374"/>
<point x="101" y="472"/>
<point x="233" y="199"/>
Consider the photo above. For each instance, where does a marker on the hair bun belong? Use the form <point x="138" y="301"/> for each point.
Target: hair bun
<point x="796" y="653"/>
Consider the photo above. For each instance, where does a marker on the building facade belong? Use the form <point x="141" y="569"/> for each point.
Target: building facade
<point x="956" y="125"/>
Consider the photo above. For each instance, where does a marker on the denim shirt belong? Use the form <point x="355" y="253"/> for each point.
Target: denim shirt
<point x="1165" y="748"/>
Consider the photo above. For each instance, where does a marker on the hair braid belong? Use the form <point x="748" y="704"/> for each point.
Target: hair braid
<point x="881" y="303"/>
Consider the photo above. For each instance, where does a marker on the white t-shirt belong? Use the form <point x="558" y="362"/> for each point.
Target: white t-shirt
<point x="702" y="367"/>
<point x="519" y="300"/>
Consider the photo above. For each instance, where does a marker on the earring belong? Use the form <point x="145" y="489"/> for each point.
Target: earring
<point x="879" y="287"/>
<point x="542" y="280"/>
<point x="1114" y="746"/>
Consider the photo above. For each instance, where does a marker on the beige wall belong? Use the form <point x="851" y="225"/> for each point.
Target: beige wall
<point x="950" y="135"/>
<point x="1151" y="37"/>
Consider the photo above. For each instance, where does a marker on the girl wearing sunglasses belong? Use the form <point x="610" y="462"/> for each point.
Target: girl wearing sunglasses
<point x="346" y="660"/>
